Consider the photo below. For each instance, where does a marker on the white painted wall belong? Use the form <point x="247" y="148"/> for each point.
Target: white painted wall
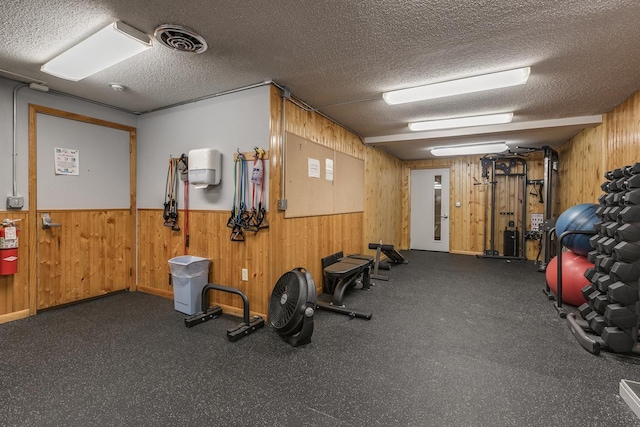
<point x="103" y="165"/>
<point x="25" y="96"/>
<point x="238" y="121"/>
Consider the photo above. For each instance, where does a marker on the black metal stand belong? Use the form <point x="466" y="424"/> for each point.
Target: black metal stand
<point x="247" y="327"/>
<point x="550" y="183"/>
<point x="393" y="257"/>
<point x="591" y="343"/>
<point x="558" y="298"/>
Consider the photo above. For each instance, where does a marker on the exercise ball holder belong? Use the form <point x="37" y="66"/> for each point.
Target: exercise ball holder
<point x="547" y="290"/>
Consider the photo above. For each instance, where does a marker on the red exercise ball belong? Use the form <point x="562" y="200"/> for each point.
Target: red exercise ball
<point x="573" y="280"/>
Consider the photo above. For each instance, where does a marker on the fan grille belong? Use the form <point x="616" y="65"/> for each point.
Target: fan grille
<point x="180" y="38"/>
<point x="284" y="300"/>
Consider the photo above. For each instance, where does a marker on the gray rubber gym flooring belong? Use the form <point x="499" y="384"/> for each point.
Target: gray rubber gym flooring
<point x="454" y="341"/>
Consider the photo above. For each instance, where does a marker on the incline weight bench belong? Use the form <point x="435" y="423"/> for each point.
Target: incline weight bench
<point x="393" y="257"/>
<point x="342" y="273"/>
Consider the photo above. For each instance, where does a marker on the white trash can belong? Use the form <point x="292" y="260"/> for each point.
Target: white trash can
<point x="189" y="274"/>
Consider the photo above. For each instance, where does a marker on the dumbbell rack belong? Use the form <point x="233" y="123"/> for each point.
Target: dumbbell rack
<point x="611" y="315"/>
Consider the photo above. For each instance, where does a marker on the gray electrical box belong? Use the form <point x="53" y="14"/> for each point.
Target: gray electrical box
<point x="15" y="202"/>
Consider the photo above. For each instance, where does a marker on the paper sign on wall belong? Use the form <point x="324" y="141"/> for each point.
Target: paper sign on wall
<point x="328" y="169"/>
<point x="66" y="161"/>
<point x="314" y="168"/>
<point x="536" y="221"/>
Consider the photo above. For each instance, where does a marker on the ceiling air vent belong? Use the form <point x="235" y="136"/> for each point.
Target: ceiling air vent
<point x="180" y="38"/>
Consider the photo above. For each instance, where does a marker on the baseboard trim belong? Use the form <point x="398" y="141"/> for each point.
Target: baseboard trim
<point x="16" y="315"/>
<point x="154" y="291"/>
<point x="466" y="253"/>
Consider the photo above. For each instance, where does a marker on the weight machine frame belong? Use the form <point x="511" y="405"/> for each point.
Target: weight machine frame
<point x="505" y="164"/>
<point x="551" y="180"/>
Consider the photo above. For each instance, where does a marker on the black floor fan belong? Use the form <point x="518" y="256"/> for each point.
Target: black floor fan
<point x="292" y="305"/>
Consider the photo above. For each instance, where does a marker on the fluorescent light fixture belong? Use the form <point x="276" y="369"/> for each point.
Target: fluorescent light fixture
<point x="457" y="87"/>
<point x="461" y="122"/>
<point x="462" y="150"/>
<point x="109" y="46"/>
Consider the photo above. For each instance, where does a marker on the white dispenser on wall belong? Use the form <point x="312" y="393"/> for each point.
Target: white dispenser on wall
<point x="204" y="167"/>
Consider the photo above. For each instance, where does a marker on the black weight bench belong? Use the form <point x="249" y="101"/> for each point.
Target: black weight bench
<point x="339" y="274"/>
<point x="393" y="257"/>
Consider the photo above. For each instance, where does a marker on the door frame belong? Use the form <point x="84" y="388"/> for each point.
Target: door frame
<point x="34" y="110"/>
<point x="445" y="202"/>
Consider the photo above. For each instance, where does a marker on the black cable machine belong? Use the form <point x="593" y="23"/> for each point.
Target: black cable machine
<point x="505" y="181"/>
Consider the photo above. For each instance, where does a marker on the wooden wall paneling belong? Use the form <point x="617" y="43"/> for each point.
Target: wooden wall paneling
<point x="405" y="216"/>
<point x="84" y="258"/>
<point x="132" y="223"/>
<point x="155" y="248"/>
<point x="14" y="289"/>
<point x="33" y="219"/>
<point x="467" y="222"/>
<point x="471" y="196"/>
<point x="302" y="242"/>
<point x="209" y="238"/>
<point x="276" y="132"/>
<point x="581" y="168"/>
<point x="587" y="156"/>
<point x="621" y="130"/>
<point x="383" y="199"/>
<point x="535" y="170"/>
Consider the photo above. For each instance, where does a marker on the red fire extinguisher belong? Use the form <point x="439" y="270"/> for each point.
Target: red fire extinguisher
<point x="8" y="247"/>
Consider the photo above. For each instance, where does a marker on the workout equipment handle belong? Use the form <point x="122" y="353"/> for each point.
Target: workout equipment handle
<point x="375" y="246"/>
<point x="245" y="301"/>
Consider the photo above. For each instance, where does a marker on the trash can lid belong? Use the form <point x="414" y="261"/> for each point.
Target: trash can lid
<point x="186" y="260"/>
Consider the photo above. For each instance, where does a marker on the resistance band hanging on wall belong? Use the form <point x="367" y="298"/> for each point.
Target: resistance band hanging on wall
<point x="242" y="218"/>
<point x="239" y="215"/>
<point x="258" y="219"/>
<point x="170" y="213"/>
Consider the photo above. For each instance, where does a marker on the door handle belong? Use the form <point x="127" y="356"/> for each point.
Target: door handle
<point x="46" y="222"/>
<point x="445" y="216"/>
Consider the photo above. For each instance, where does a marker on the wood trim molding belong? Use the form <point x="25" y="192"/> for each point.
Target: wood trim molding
<point x="33" y="214"/>
<point x="157" y="292"/>
<point x="16" y="315"/>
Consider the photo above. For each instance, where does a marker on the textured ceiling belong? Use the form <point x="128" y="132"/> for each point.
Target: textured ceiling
<point x="339" y="56"/>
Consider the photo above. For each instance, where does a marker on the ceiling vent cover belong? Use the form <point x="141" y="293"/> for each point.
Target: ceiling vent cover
<point x="180" y="38"/>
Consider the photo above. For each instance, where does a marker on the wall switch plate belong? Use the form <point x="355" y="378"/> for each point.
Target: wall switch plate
<point x="15" y="202"/>
<point x="282" y="204"/>
<point x="245" y="274"/>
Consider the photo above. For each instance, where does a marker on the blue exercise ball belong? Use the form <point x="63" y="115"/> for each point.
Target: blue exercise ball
<point x="577" y="218"/>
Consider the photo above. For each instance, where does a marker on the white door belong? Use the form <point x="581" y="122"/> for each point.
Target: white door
<point x="430" y="209"/>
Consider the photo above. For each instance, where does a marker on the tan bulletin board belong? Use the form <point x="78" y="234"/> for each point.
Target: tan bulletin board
<point x="320" y="181"/>
<point x="348" y="188"/>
